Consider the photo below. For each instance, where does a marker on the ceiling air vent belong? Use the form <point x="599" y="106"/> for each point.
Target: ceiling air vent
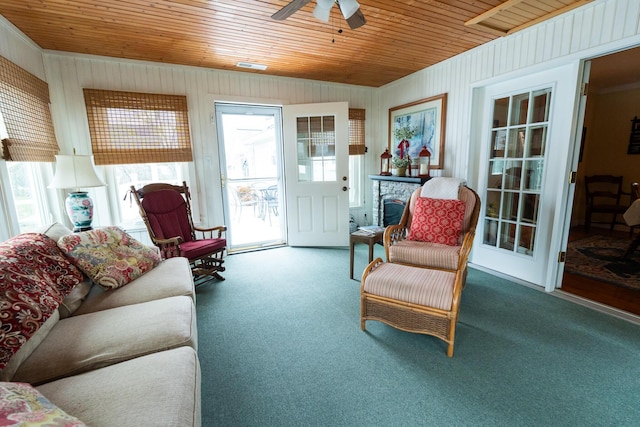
<point x="252" y="66"/>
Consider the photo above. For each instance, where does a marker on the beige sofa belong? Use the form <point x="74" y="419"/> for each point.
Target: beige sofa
<point x="121" y="357"/>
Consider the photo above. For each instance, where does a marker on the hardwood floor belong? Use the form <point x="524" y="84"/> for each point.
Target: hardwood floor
<point x="604" y="293"/>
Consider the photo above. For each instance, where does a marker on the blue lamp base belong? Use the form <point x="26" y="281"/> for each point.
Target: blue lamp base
<point x="80" y="210"/>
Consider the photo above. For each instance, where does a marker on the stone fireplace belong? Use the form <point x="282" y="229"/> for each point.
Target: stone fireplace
<point x="390" y="190"/>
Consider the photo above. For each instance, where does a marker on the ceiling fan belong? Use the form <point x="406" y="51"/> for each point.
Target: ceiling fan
<point x="350" y="10"/>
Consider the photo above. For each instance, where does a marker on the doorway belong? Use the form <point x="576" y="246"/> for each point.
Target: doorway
<point x="614" y="91"/>
<point x="251" y="146"/>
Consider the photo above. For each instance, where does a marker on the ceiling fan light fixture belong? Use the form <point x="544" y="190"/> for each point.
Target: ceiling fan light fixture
<point x="322" y="10"/>
<point x="348" y="7"/>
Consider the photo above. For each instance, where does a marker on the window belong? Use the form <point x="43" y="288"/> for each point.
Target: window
<point x="143" y="137"/>
<point x="28" y="192"/>
<point x="357" y="149"/>
<point x="28" y="144"/>
<point x="24" y="99"/>
<point x="130" y="127"/>
<point x="138" y="175"/>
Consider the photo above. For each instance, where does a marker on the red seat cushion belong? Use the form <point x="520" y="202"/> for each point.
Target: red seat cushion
<point x="198" y="248"/>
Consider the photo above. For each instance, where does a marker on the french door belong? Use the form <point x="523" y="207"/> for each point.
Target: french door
<point x="526" y="128"/>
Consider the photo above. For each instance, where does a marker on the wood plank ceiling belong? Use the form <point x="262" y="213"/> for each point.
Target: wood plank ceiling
<point x="399" y="38"/>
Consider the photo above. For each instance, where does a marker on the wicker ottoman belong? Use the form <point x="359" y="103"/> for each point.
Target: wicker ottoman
<point x="413" y="299"/>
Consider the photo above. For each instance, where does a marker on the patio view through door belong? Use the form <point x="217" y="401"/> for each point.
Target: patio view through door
<point x="250" y="140"/>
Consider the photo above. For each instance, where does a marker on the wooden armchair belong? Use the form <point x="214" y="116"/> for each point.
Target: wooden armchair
<point x="166" y="211"/>
<point x="400" y="250"/>
<point x="603" y="196"/>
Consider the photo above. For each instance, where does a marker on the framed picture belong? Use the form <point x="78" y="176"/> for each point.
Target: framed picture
<point x="417" y="124"/>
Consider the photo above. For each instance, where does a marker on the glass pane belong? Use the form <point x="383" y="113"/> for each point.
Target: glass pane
<point x="530" y="208"/>
<point x="507" y="236"/>
<point x="533" y="174"/>
<point x="519" y="109"/>
<point x="541" y="106"/>
<point x="500" y="111"/>
<point x="498" y="143"/>
<point x="494" y="180"/>
<point x="316" y="148"/>
<point x="537" y="141"/>
<point x="512" y="175"/>
<point x="516" y="143"/>
<point x="492" y="203"/>
<point x="490" y="232"/>
<point x="510" y="206"/>
<point x="526" y="240"/>
<point x="515" y="170"/>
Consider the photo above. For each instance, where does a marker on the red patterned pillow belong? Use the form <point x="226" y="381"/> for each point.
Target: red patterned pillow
<point x="35" y="276"/>
<point x="437" y="221"/>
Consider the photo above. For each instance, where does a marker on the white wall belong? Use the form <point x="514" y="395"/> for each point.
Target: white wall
<point x="69" y="74"/>
<point x="594" y="29"/>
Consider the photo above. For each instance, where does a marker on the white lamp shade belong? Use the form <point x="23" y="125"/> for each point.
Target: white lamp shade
<point x="348" y="7"/>
<point x="75" y="172"/>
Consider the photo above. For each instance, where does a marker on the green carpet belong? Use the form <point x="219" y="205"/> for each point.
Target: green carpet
<point x="280" y="345"/>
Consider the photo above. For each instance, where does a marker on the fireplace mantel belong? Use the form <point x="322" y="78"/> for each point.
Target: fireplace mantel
<point x="410" y="179"/>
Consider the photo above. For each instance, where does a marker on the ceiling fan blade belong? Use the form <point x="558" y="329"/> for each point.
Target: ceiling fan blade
<point x="289" y="9"/>
<point x="356" y="20"/>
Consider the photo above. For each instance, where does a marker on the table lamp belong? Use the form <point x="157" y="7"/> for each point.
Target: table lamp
<point x="77" y="172"/>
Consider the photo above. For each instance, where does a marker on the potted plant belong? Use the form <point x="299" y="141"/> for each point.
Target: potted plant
<point x="400" y="164"/>
<point x="404" y="133"/>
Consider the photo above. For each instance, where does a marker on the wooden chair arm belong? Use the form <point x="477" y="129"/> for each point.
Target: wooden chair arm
<point x="169" y="248"/>
<point x="211" y="231"/>
<point x="392" y="235"/>
<point x="368" y="269"/>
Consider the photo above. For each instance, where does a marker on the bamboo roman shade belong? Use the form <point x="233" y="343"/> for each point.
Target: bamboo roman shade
<point x="356" y="131"/>
<point x="130" y="127"/>
<point x="24" y="110"/>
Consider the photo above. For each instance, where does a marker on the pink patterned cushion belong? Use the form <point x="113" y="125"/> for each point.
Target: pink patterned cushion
<point x="109" y="256"/>
<point x="35" y="276"/>
<point x="426" y="287"/>
<point x="22" y="405"/>
<point x="437" y="221"/>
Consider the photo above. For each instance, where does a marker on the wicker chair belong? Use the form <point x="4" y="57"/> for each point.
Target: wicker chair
<point x="400" y="250"/>
<point x="419" y="288"/>
<point x="166" y="211"/>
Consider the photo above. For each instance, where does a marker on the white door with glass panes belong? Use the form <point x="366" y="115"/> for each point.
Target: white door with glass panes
<point x="526" y="133"/>
<point x="316" y="172"/>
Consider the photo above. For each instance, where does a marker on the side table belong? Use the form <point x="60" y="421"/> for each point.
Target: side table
<point x="361" y="236"/>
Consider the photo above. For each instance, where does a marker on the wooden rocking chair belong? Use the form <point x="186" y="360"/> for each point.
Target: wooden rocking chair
<point x="166" y="211"/>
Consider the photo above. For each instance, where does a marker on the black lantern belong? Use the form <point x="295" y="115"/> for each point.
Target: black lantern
<point x="385" y="163"/>
<point x="425" y="162"/>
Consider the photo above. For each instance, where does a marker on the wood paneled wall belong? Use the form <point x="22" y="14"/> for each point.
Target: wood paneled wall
<point x="595" y="29"/>
<point x="69" y="74"/>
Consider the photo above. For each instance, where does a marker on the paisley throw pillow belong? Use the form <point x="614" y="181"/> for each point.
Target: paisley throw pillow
<point x="109" y="256"/>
